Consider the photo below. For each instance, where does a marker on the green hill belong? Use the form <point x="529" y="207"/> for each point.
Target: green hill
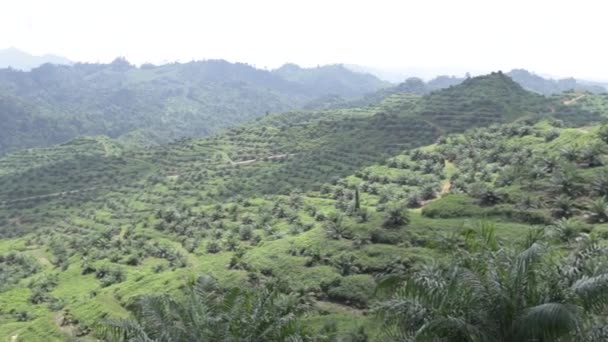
<point x="322" y="203"/>
<point x="331" y="79"/>
<point x="54" y="103"/>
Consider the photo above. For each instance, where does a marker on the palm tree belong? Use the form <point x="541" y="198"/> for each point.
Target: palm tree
<point x="590" y="155"/>
<point x="600" y="184"/>
<point x="598" y="210"/>
<point x="210" y="314"/>
<point x="396" y="216"/>
<point x="498" y="296"/>
<point x="336" y="229"/>
<point x="566" y="181"/>
<point x="563" y="206"/>
<point x="566" y="230"/>
<point x="570" y="153"/>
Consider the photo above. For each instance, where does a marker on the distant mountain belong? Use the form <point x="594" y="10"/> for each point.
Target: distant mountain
<point x="331" y="79"/>
<point x="54" y="103"/>
<point x="525" y="78"/>
<point x="545" y="86"/>
<point x="399" y="74"/>
<point x="20" y="60"/>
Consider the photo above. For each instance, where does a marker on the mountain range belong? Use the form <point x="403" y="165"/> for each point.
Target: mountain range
<point x="20" y="60"/>
<point x="156" y="104"/>
<point x="527" y="79"/>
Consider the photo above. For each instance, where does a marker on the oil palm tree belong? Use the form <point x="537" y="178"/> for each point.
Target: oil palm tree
<point x="210" y="314"/>
<point x="598" y="210"/>
<point x="498" y="296"/>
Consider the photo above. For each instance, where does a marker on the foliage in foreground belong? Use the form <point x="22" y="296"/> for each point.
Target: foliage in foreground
<point x="210" y="314"/>
<point x="495" y="294"/>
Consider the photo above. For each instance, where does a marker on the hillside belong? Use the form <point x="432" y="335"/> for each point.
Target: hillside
<point x="152" y="104"/>
<point x="315" y="201"/>
<point x="331" y="79"/>
<point x="546" y="86"/>
<point x="526" y="79"/>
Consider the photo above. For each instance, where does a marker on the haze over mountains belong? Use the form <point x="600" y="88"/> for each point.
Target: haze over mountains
<point x="156" y="104"/>
<point x="528" y="79"/>
<point x="17" y="59"/>
<point x="151" y="104"/>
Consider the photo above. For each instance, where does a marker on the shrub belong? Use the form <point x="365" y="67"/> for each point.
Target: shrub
<point x="567" y="230"/>
<point x="385" y="236"/>
<point x="396" y="216"/>
<point x="356" y="290"/>
<point x="213" y="247"/>
<point x="336" y="229"/>
<point x="452" y="205"/>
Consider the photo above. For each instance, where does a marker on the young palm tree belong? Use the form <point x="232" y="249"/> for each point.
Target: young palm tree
<point x="496" y="296"/>
<point x="600" y="184"/>
<point x="598" y="210"/>
<point x="563" y="206"/>
<point x="566" y="230"/>
<point x="396" y="216"/>
<point x="209" y="314"/>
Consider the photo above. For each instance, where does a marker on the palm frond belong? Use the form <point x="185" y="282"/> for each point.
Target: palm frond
<point x="592" y="291"/>
<point x="451" y="329"/>
<point x="549" y="321"/>
<point x="119" y="330"/>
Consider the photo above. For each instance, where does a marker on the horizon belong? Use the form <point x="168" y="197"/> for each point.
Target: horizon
<point x="377" y="71"/>
<point x="481" y="37"/>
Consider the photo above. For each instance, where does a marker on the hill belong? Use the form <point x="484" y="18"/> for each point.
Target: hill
<point x="545" y="86"/>
<point x="528" y="80"/>
<point x="17" y="59"/>
<point x="313" y="201"/>
<point x="331" y="80"/>
<point x="152" y="104"/>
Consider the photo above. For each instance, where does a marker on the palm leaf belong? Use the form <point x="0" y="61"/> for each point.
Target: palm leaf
<point x="592" y="291"/>
<point x="549" y="321"/>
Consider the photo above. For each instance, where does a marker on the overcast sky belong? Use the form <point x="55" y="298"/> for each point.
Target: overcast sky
<point x="560" y="38"/>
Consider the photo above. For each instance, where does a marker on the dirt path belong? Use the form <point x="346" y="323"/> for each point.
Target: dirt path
<point x="276" y="156"/>
<point x="573" y="101"/>
<point x="63" y="193"/>
<point x="55" y="194"/>
<point x="446" y="185"/>
<point x="41" y="257"/>
<point x="445" y="188"/>
<point x="106" y="150"/>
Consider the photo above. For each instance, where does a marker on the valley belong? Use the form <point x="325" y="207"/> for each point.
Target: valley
<point x="329" y="206"/>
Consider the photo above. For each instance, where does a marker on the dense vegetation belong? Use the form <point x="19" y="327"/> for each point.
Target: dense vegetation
<point x="475" y="208"/>
<point x="545" y="86"/>
<point x="524" y="78"/>
<point x="156" y="104"/>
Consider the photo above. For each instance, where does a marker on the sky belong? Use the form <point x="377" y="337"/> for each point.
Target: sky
<point x="558" y="38"/>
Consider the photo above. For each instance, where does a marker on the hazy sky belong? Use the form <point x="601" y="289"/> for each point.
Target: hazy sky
<point x="561" y="38"/>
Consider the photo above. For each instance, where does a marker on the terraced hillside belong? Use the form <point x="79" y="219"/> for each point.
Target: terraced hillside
<point x="323" y="203"/>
